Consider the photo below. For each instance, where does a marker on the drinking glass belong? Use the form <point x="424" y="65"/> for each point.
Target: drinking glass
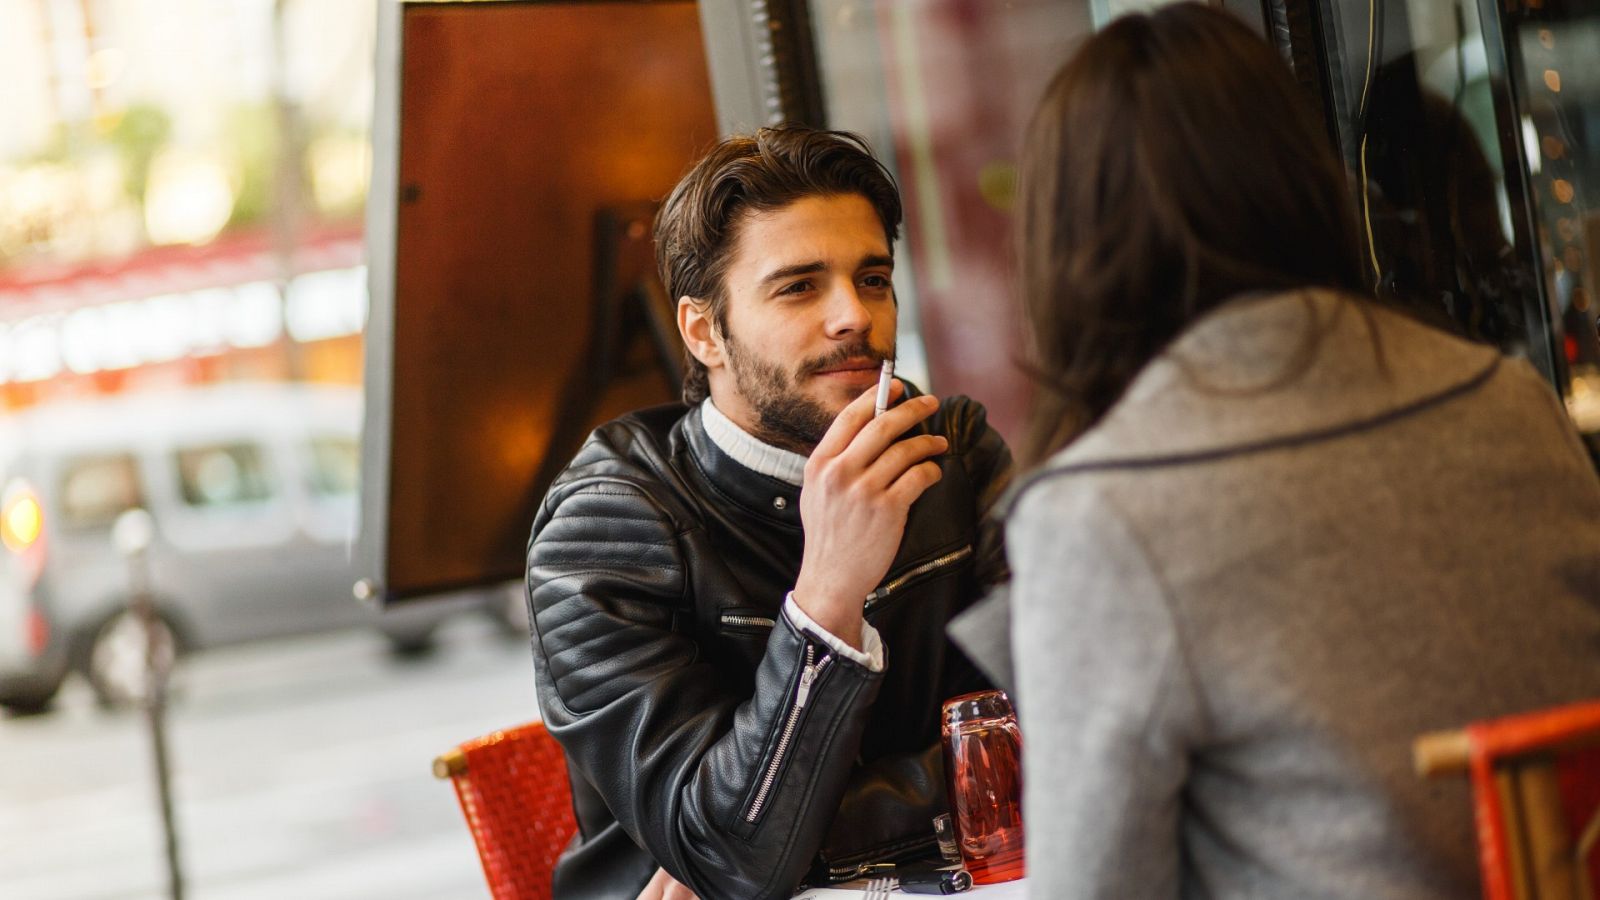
<point x="983" y="762"/>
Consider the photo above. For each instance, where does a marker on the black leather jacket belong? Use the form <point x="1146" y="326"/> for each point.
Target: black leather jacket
<point x="703" y="732"/>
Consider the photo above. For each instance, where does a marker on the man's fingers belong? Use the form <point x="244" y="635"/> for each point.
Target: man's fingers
<point x="876" y="436"/>
<point x="676" y="891"/>
<point x="908" y="487"/>
<point x="850" y="420"/>
<point x="902" y="455"/>
<point x="657" y="887"/>
<point x="664" y="887"/>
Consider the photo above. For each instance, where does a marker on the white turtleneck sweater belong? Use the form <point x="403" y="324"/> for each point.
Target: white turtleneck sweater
<point x="789" y="467"/>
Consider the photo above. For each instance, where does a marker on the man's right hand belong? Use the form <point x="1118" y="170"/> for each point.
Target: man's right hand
<point x="859" y="486"/>
<point x="664" y="887"/>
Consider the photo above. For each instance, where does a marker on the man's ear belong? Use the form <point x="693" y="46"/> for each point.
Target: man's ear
<point x="700" y="332"/>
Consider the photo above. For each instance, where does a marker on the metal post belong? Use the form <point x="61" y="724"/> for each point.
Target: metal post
<point x="288" y="178"/>
<point x="132" y="535"/>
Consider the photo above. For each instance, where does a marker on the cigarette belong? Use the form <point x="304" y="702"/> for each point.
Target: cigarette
<point x="884" y="380"/>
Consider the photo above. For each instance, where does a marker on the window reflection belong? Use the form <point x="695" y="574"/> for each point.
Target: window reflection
<point x="226" y="475"/>
<point x="335" y="467"/>
<point x="1472" y="130"/>
<point x="943" y="90"/>
<point x="95" y="490"/>
<point x="1551" y="49"/>
<point x="1419" y="130"/>
<point x="1435" y="209"/>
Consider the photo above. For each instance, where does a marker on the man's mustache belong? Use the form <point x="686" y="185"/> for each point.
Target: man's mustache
<point x="844" y="354"/>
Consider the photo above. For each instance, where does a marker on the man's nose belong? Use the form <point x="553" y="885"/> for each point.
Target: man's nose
<point x="846" y="313"/>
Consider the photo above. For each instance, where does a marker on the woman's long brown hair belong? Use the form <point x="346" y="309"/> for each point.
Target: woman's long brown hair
<point x="1172" y="164"/>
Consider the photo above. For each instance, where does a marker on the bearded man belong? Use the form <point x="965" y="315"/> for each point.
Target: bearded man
<point x="739" y="602"/>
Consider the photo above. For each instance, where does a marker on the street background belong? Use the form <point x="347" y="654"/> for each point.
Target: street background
<point x="302" y="769"/>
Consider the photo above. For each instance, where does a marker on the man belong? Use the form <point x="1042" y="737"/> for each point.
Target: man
<point x="746" y="676"/>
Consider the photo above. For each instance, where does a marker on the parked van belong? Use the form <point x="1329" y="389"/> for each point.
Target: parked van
<point x="252" y="490"/>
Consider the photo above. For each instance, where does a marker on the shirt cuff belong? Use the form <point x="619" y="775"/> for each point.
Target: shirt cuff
<point x="871" y="653"/>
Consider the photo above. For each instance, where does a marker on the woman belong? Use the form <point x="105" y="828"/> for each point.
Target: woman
<point x="1278" y="531"/>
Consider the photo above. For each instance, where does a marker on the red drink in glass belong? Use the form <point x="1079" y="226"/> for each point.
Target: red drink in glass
<point x="983" y="762"/>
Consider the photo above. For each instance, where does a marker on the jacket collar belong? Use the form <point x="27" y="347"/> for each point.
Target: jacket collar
<point x="1278" y="369"/>
<point x="749" y="450"/>
<point x="736" y="473"/>
<point x="762" y="495"/>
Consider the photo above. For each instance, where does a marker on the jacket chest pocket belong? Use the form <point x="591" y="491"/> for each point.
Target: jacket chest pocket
<point x="902" y="582"/>
<point x="743" y="633"/>
<point x="739" y="621"/>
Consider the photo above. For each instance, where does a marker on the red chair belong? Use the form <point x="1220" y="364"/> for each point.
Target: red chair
<point x="1536" y="798"/>
<point x="514" y="792"/>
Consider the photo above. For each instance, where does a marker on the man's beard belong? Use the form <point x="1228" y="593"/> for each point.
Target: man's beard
<point x="785" y="417"/>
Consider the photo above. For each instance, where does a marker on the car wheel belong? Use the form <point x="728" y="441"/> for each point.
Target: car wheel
<point x="509" y="611"/>
<point x="411" y="644"/>
<point x="28" y="701"/>
<point x="115" y="661"/>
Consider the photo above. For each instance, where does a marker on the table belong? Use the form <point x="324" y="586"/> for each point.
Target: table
<point x="854" y="890"/>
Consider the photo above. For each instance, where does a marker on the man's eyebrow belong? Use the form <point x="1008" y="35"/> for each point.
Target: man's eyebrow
<point x="871" y="260"/>
<point x="810" y="268"/>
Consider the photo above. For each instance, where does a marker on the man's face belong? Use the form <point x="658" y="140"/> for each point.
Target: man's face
<point x="810" y="318"/>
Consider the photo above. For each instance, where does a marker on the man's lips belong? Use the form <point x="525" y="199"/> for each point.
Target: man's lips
<point x="865" y="365"/>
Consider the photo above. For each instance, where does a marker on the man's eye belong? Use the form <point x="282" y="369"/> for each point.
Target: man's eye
<point x="799" y="287"/>
<point x="877" y="281"/>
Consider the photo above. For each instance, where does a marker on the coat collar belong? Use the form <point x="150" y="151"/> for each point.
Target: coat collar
<point x="1278" y="369"/>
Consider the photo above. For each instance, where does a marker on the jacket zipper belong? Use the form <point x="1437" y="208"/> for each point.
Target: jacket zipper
<point x="900" y="581"/>
<point x="872" y="598"/>
<point x="880" y="861"/>
<point x="808" y="677"/>
<point x="749" y="621"/>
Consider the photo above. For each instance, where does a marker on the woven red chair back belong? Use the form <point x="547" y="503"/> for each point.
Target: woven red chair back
<point x="1536" y="788"/>
<point x="518" y="804"/>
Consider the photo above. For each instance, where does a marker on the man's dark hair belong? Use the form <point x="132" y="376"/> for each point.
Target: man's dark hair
<point x="1172" y="164"/>
<point x="698" y="225"/>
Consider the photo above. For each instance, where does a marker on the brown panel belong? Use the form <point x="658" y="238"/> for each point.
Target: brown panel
<point x="518" y="123"/>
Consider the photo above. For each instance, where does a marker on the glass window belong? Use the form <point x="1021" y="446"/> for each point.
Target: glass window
<point x="1420" y="133"/>
<point x="1551" y="51"/>
<point x="1473" y="132"/>
<point x="335" y="467"/>
<point x="95" y="490"/>
<point x="223" y="475"/>
<point x="943" y="89"/>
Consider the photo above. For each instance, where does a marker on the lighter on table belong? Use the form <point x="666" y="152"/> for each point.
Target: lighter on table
<point x="939" y="881"/>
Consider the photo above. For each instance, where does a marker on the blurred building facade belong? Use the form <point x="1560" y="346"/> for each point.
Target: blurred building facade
<point x="181" y="190"/>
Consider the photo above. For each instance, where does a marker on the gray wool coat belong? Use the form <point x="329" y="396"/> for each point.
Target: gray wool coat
<point x="1240" y="596"/>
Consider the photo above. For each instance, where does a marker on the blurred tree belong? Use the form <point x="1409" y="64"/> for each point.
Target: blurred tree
<point x="140" y="133"/>
<point x="253" y="138"/>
